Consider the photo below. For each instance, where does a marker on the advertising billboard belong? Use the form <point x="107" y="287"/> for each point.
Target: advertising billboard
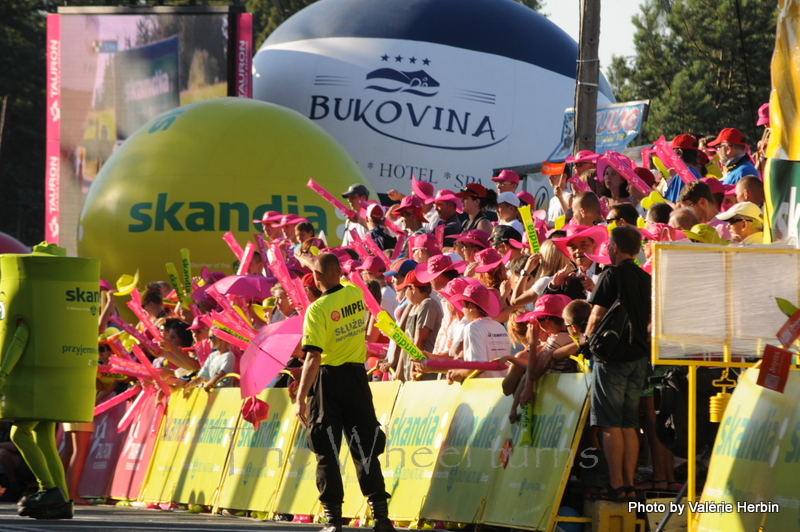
<point x="110" y="70"/>
<point x="444" y="91"/>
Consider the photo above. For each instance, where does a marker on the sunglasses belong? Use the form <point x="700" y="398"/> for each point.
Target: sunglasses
<point x="736" y="220"/>
<point x="609" y="220"/>
<point x="542" y="319"/>
<point x="103" y="348"/>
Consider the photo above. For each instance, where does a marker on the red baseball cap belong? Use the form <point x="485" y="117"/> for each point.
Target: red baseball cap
<point x="472" y="190"/>
<point x="527" y="198"/>
<point x="507" y="175"/>
<point x="437" y="265"/>
<point x="411" y="280"/>
<point x="684" y="142"/>
<point x="645" y="175"/>
<point x="375" y="212"/>
<point x="308" y="280"/>
<point x="731" y="135"/>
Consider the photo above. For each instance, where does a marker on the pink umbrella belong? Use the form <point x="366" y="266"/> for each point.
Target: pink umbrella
<point x="268" y="354"/>
<point x="253" y="285"/>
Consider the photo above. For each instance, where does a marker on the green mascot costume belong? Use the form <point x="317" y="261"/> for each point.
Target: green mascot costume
<point x="49" y="307"/>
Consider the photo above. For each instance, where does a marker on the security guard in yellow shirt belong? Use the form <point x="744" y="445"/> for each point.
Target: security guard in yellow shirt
<point x="335" y="382"/>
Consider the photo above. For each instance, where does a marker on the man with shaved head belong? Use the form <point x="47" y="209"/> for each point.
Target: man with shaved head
<point x="339" y="399"/>
<point x="750" y="188"/>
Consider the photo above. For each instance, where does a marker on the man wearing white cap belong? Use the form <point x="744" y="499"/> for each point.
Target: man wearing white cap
<point x="745" y="222"/>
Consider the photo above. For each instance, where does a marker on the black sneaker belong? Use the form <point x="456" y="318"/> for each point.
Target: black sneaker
<point x="64" y="511"/>
<point x="41" y="500"/>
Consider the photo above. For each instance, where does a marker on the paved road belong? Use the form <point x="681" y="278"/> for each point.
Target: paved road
<point x="113" y="519"/>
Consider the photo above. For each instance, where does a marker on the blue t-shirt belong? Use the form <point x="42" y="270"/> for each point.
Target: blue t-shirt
<point x="675" y="186"/>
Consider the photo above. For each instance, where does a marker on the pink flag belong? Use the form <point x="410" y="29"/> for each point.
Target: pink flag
<point x="125" y="326"/>
<point x="373" y="247"/>
<point x="338" y="205"/>
<point x="358" y="245"/>
<point x="671" y="160"/>
<point x="624" y="170"/>
<point x="578" y="185"/>
<point x="234" y="245"/>
<point x="247" y="258"/>
<point x="372" y="305"/>
<point x="398" y="248"/>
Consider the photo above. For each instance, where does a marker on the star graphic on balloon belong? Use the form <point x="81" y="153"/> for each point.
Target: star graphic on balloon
<point x="426" y="61"/>
<point x="384" y="58"/>
<point x="412" y="60"/>
<point x="398" y="58"/>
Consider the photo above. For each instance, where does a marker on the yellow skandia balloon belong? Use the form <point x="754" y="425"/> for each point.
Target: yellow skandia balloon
<point x="189" y="176"/>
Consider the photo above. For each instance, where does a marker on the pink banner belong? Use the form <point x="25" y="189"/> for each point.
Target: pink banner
<point x="262" y="250"/>
<point x="52" y="191"/>
<point x="233" y="244"/>
<point x="373" y="247"/>
<point x="52" y="174"/>
<point x="463" y="364"/>
<point x="247" y="258"/>
<point x="244" y="55"/>
<point x="281" y="272"/>
<point x="135" y="455"/>
<point x="398" y="248"/>
<point x="578" y="186"/>
<point x="228" y="309"/>
<point x="135" y="304"/>
<point x="142" y="339"/>
<point x="390" y="225"/>
<point x="358" y="245"/>
<point x="671" y="160"/>
<point x="151" y="370"/>
<point x="439" y="232"/>
<point x="338" y="205"/>
<point x="624" y="170"/>
<point x="114" y="401"/>
<point x="372" y="304"/>
<point x="104" y="451"/>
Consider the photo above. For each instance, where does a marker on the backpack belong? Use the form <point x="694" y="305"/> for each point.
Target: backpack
<point x="612" y="339"/>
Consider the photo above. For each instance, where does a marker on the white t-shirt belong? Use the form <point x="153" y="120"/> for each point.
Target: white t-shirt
<point x="217" y="362"/>
<point x="486" y="340"/>
<point x="348" y="225"/>
<point x="389" y="300"/>
<point x="433" y="220"/>
<point x="554" y="209"/>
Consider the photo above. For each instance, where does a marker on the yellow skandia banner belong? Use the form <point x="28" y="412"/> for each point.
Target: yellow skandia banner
<point x="755" y="464"/>
<point x="172" y="448"/>
<point x="214" y="417"/>
<point x="258" y="456"/>
<point x="420" y="422"/>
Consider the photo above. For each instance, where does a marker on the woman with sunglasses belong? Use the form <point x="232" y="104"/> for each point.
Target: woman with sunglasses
<point x="476" y="200"/>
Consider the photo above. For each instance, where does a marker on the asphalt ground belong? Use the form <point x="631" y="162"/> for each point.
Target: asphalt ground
<point x="119" y="519"/>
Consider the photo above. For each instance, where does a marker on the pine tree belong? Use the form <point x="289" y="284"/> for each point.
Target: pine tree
<point x="704" y="65"/>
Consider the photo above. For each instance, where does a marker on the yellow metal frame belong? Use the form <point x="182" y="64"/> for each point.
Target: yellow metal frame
<point x="727" y="359"/>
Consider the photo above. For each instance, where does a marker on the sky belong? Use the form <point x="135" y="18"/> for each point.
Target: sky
<point x="616" y="29"/>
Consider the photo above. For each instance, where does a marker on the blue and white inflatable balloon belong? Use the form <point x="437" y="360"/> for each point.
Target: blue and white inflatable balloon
<point x="444" y="90"/>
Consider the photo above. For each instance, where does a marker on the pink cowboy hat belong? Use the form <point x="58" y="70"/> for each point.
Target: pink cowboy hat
<point x="481" y="296"/>
<point x="437" y="265"/>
